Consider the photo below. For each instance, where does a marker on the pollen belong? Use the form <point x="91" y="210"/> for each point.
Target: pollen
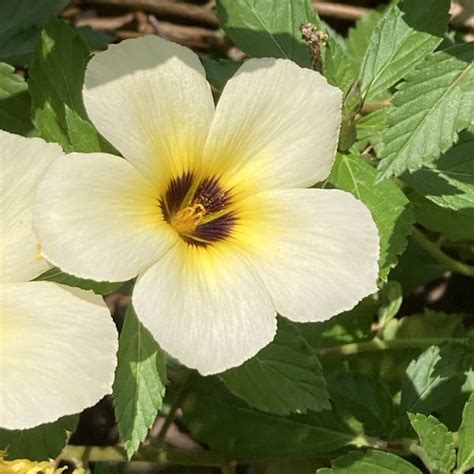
<point x="187" y="220"/>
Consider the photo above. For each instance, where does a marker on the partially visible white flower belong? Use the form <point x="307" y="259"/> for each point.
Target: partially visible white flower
<point x="57" y="351"/>
<point x="209" y="208"/>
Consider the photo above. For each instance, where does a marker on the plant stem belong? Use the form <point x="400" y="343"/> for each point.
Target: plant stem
<point x="174" y="408"/>
<point x="85" y="454"/>
<point x="433" y="249"/>
<point x="377" y="344"/>
<point x="369" y="107"/>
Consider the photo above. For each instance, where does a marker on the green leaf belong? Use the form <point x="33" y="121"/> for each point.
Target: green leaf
<point x="139" y="384"/>
<point x="391" y="299"/>
<point x="226" y="423"/>
<point x="100" y="288"/>
<point x="427" y="324"/>
<point x="268" y="28"/>
<point x="287" y="373"/>
<point x="370" y="128"/>
<point x="370" y="462"/>
<point x="15" y="102"/>
<point x="454" y="225"/>
<point x="448" y="181"/>
<point x="432" y="380"/>
<point x="436" y="441"/>
<point x="388" y="205"/>
<point x="350" y="326"/>
<point x="372" y="407"/>
<point x="430" y="108"/>
<point x="218" y="72"/>
<point x="358" y="38"/>
<point x="402" y="38"/>
<point x="466" y="438"/>
<point x="56" y="79"/>
<point x="39" y="443"/>
<point x="20" y="24"/>
<point x="337" y="67"/>
<point x="416" y="267"/>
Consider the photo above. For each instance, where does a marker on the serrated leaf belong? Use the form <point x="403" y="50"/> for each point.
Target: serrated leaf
<point x="139" y="384"/>
<point x="359" y="37"/>
<point x="430" y="108"/>
<point x="416" y="267"/>
<point x="39" y="443"/>
<point x="56" y="79"/>
<point x="268" y="28"/>
<point x="100" y="288"/>
<point x="226" y="423"/>
<point x="402" y="38"/>
<point x="350" y="326"/>
<point x="370" y="462"/>
<point x="436" y="441"/>
<point x="449" y="180"/>
<point x="15" y="102"/>
<point x="20" y="24"/>
<point x="372" y="407"/>
<point x="369" y="130"/>
<point x="391" y="298"/>
<point x="466" y="438"/>
<point x="454" y="225"/>
<point x="388" y="205"/>
<point x="430" y="382"/>
<point x="287" y="373"/>
<point x="337" y="67"/>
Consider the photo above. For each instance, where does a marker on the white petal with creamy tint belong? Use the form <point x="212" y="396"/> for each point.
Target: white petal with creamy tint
<point x="150" y="99"/>
<point x="205" y="306"/>
<point x="316" y="250"/>
<point x="57" y="354"/>
<point x="23" y="162"/>
<point x="276" y="125"/>
<point x="97" y="217"/>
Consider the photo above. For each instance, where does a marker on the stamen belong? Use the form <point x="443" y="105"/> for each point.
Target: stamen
<point x="186" y="220"/>
<point x="198" y="210"/>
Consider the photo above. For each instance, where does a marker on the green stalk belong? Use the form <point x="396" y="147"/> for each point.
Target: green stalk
<point x="434" y="250"/>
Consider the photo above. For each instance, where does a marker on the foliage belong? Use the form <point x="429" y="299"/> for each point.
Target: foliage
<point x="379" y="388"/>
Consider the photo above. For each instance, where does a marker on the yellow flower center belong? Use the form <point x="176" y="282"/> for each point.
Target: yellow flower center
<point x="186" y="220"/>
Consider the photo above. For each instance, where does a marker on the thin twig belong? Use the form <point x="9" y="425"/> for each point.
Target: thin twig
<point x="377" y="344"/>
<point x="339" y="10"/>
<point x="174" y="408"/>
<point x="85" y="454"/>
<point x="435" y="251"/>
<point x="185" y="11"/>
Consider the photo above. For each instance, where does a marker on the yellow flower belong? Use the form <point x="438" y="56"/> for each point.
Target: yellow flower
<point x="57" y="351"/>
<point x="210" y="207"/>
<point x="25" y="466"/>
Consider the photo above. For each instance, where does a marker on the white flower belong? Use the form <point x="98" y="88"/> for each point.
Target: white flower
<point x="209" y="208"/>
<point x="57" y="351"/>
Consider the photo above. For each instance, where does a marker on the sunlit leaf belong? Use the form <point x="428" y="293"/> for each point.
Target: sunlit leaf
<point x="287" y="373"/>
<point x="429" y="109"/>
<point x="388" y="205"/>
<point x="139" y="384"/>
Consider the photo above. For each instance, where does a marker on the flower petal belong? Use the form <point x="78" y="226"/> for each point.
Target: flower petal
<point x="97" y="217"/>
<point x="150" y="99"/>
<point x="276" y="125"/>
<point x="23" y="162"/>
<point x="205" y="306"/>
<point x="316" y="250"/>
<point x="57" y="354"/>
